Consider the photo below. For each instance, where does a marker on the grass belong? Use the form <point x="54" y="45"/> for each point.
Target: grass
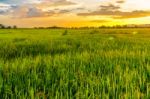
<point x="70" y="64"/>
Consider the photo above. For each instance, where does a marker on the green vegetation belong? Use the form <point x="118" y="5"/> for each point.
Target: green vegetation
<point x="70" y="64"/>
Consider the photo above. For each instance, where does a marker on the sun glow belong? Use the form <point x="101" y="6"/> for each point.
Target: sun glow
<point x="74" y="12"/>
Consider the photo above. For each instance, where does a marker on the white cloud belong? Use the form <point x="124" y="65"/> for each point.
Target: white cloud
<point x="4" y="8"/>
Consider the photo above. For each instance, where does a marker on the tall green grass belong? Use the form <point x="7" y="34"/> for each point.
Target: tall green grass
<point x="82" y="64"/>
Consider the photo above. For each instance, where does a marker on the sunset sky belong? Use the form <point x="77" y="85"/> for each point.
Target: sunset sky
<point x="73" y="13"/>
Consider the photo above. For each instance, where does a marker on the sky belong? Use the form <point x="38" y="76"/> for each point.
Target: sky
<point x="73" y="13"/>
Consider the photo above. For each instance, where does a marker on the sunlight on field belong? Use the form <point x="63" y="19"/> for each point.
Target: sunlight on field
<point x="134" y="33"/>
<point x="75" y="63"/>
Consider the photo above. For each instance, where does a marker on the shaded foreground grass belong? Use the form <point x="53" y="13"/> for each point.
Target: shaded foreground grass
<point x="81" y="64"/>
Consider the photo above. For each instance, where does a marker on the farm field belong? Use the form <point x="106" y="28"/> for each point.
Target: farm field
<point x="75" y="63"/>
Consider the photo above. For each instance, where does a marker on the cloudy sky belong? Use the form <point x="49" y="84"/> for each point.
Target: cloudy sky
<point x="76" y="13"/>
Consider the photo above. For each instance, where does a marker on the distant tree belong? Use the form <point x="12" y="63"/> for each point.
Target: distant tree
<point x="8" y="27"/>
<point x="103" y="26"/>
<point x="14" y="27"/>
<point x="2" y="26"/>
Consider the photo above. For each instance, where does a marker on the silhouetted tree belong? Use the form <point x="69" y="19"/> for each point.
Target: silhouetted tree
<point x="2" y="26"/>
<point x="14" y="27"/>
<point x="8" y="27"/>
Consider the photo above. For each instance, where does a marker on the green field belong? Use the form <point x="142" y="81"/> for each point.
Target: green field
<point x="75" y="63"/>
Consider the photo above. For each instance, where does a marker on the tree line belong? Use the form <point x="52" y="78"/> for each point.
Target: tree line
<point x="100" y="27"/>
<point x="86" y="27"/>
<point x="7" y="27"/>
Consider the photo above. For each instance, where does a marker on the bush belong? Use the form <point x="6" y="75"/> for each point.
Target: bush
<point x="65" y="32"/>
